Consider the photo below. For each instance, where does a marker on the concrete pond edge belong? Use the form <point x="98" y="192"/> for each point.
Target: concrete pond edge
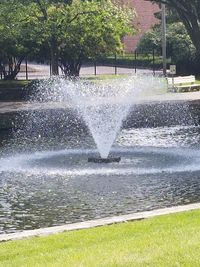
<point x="97" y="222"/>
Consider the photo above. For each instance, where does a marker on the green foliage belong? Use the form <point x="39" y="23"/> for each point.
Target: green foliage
<point x="179" y="44"/>
<point x="188" y="13"/>
<point x="67" y="30"/>
<point x="180" y="47"/>
<point x="151" y="39"/>
<point x="99" y="30"/>
<point x="19" y="37"/>
<point x="84" y="29"/>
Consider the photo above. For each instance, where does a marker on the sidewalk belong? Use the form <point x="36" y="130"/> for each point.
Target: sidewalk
<point x="42" y="71"/>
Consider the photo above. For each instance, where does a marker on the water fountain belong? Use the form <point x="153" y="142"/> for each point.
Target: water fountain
<point x="47" y="171"/>
<point x="102" y="107"/>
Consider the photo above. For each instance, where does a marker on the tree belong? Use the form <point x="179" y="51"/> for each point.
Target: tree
<point x="9" y="64"/>
<point x="189" y="14"/>
<point x="74" y="30"/>
<point x="77" y="29"/>
<point x="19" y="37"/>
<point x="99" y="30"/>
<point x="69" y="30"/>
<point x="179" y="45"/>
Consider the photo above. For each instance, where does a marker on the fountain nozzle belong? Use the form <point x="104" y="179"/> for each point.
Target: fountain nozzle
<point x="104" y="160"/>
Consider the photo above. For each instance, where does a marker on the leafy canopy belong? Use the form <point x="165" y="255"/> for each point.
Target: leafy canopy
<point x="69" y="30"/>
<point x="189" y="14"/>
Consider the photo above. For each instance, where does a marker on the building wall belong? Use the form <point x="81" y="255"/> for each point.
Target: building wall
<point x="143" y="22"/>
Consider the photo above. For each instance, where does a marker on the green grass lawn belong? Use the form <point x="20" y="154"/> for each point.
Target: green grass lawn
<point x="198" y="81"/>
<point x="104" y="77"/>
<point x="13" y="84"/>
<point x="21" y="83"/>
<point x="172" y="240"/>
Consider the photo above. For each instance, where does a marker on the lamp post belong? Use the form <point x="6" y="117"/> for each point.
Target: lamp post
<point x="164" y="40"/>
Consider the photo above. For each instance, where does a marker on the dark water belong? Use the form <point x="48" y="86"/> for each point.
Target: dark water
<point x="45" y="185"/>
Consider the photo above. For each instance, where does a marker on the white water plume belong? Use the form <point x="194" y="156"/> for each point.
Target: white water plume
<point x="103" y="105"/>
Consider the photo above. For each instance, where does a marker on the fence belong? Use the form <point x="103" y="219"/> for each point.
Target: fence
<point x="113" y="64"/>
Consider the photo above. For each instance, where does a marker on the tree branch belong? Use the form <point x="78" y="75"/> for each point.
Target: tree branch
<point x="83" y="13"/>
<point x="42" y="9"/>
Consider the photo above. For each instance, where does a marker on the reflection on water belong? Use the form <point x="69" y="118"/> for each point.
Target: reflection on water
<point x="160" y="167"/>
<point x="184" y="136"/>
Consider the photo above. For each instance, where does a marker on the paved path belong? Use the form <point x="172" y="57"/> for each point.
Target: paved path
<point x="98" y="222"/>
<point x="42" y="71"/>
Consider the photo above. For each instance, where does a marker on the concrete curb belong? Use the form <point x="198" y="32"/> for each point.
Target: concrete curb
<point x="98" y="222"/>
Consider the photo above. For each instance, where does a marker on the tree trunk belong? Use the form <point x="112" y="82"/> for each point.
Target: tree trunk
<point x="1" y="70"/>
<point x="54" y="57"/>
<point x="71" y="68"/>
<point x="14" y="69"/>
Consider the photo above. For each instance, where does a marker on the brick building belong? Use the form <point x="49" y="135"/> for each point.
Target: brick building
<point x="144" y="21"/>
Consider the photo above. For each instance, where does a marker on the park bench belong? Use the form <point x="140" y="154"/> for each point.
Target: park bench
<point x="182" y="84"/>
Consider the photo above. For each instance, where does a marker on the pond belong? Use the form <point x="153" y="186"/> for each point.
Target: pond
<point x="53" y="184"/>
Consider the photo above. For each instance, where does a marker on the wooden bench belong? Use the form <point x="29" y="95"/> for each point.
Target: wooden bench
<point x="182" y="84"/>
